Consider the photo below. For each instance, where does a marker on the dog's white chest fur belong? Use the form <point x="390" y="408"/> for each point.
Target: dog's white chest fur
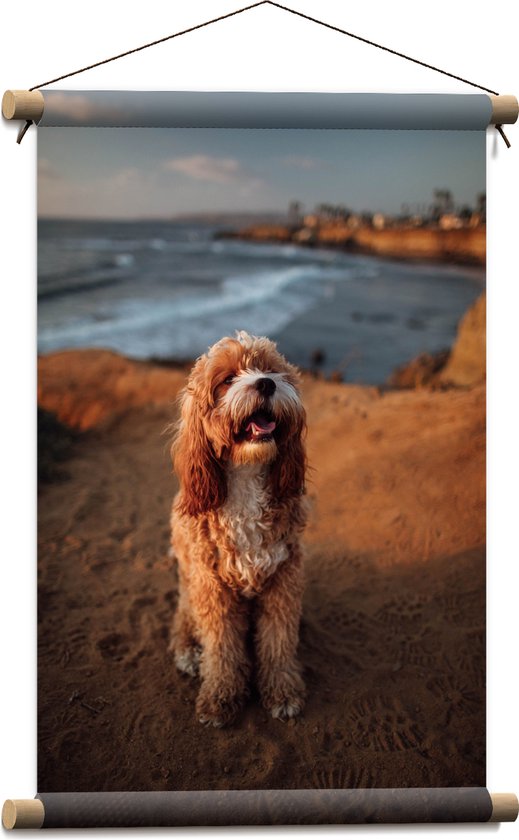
<point x="248" y="522"/>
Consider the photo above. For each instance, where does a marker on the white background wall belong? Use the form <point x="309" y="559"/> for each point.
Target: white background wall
<point x="264" y="49"/>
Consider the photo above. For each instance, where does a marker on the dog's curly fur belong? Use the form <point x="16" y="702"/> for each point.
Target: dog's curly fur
<point x="236" y="524"/>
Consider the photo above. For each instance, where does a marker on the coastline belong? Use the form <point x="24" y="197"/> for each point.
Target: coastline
<point x="463" y="246"/>
<point x="172" y="292"/>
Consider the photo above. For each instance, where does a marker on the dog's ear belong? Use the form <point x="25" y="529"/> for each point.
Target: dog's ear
<point x="287" y="473"/>
<point x="202" y="479"/>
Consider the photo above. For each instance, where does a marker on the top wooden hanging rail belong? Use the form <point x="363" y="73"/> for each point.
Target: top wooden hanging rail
<point x="30" y="105"/>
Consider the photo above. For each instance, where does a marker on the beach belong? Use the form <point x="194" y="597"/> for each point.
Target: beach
<point x="393" y="629"/>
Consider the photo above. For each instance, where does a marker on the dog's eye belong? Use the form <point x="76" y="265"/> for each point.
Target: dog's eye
<point x="229" y="379"/>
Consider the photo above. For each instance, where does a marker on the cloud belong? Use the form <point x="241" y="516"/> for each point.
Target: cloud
<point x="212" y="169"/>
<point x="302" y="162"/>
<point x="128" y="177"/>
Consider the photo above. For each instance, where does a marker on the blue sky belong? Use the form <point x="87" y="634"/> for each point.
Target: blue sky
<point x="148" y="172"/>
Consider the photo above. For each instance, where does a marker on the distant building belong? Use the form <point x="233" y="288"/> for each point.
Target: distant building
<point x="305" y="235"/>
<point x="450" y="221"/>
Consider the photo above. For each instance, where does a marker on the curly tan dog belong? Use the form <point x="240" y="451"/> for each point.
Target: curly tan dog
<point x="236" y="524"/>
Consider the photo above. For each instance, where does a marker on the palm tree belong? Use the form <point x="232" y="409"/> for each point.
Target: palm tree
<point x="443" y="203"/>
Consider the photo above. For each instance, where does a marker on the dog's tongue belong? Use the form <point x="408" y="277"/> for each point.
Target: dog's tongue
<point x="260" y="425"/>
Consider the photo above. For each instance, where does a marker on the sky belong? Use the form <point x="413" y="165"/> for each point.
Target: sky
<point x="133" y="173"/>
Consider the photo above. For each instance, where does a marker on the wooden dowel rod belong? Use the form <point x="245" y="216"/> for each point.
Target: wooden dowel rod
<point x="29" y="105"/>
<point x="30" y="813"/>
<point x="505" y="807"/>
<point x="23" y="813"/>
<point x="23" y="105"/>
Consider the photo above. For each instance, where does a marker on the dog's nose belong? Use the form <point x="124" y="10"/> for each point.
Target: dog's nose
<point x="265" y="386"/>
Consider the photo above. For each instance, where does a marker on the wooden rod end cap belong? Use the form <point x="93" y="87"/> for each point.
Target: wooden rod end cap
<point x="505" y="110"/>
<point x="505" y="807"/>
<point x="22" y="813"/>
<point x="23" y="105"/>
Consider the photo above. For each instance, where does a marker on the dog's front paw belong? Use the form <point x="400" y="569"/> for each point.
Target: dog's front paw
<point x="284" y="696"/>
<point x="187" y="660"/>
<point x="290" y="708"/>
<point x="217" y="709"/>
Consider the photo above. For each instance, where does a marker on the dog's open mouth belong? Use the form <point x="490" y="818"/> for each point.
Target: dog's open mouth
<point x="259" y="427"/>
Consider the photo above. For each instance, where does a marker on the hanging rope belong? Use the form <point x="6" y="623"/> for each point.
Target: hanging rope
<point x="255" y="6"/>
<point x="246" y="9"/>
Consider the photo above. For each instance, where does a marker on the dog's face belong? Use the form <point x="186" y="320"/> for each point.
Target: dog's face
<point x="251" y="397"/>
<point x="241" y="406"/>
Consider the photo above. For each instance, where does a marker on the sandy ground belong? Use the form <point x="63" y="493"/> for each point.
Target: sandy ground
<point x="393" y="632"/>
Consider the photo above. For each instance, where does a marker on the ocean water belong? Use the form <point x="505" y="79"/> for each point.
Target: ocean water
<point x="168" y="290"/>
